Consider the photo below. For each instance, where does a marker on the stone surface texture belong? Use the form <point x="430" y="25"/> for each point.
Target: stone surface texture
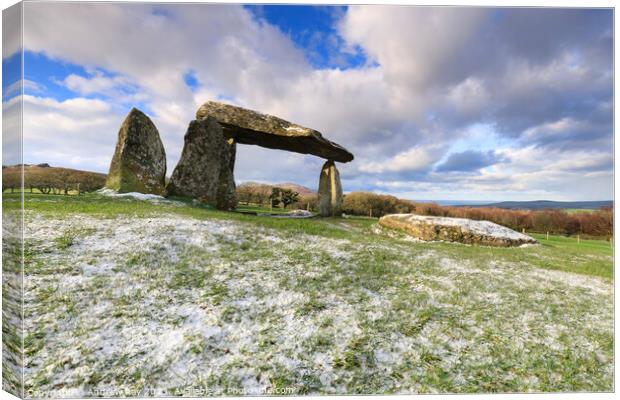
<point x="330" y="191"/>
<point x="204" y="171"/>
<point x="139" y="160"/>
<point x="460" y="230"/>
<point x="252" y="127"/>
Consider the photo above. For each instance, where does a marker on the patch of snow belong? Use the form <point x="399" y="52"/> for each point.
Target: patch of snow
<point x="589" y="283"/>
<point x="291" y="214"/>
<point x="137" y="196"/>
<point x="300" y="213"/>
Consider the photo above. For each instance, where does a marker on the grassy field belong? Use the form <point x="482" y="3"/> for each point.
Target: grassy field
<point x="33" y="191"/>
<point x="163" y="297"/>
<point x="565" y="247"/>
<point x="262" y="209"/>
<point x="577" y="210"/>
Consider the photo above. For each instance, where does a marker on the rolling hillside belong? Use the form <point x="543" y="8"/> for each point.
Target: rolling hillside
<point x="302" y="190"/>
<point x="43" y="176"/>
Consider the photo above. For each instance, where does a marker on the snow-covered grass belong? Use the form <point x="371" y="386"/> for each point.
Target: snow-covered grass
<point x="181" y="301"/>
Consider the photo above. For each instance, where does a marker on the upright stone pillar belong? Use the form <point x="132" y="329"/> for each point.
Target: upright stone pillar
<point x="139" y="161"/>
<point x="226" y="191"/>
<point x="232" y="146"/>
<point x="204" y="171"/>
<point x="330" y="191"/>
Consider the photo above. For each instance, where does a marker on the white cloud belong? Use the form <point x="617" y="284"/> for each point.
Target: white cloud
<point x="438" y="71"/>
<point x="116" y="86"/>
<point x="544" y="160"/>
<point x="416" y="159"/>
<point x="11" y="30"/>
<point x="469" y="97"/>
<point x="550" y="172"/>
<point x="570" y="132"/>
<point x="528" y="173"/>
<point x="12" y="131"/>
<point x="16" y="88"/>
<point x="413" y="44"/>
<point x="152" y="51"/>
<point x="468" y="65"/>
<point x="56" y="132"/>
<point x="553" y="129"/>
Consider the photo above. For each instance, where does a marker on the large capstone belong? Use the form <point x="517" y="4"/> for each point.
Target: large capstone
<point x="330" y="191"/>
<point x="251" y="127"/>
<point x="204" y="171"/>
<point x="461" y="230"/>
<point x="139" y="160"/>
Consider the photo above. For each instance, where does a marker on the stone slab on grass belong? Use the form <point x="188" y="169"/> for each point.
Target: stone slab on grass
<point x="461" y="230"/>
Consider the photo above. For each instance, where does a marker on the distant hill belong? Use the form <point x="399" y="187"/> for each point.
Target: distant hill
<point x="302" y="190"/>
<point x="546" y="204"/>
<point x="45" y="176"/>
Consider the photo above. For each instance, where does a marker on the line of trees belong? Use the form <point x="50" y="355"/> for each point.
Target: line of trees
<point x="266" y="195"/>
<point x="596" y="223"/>
<point x="49" y="180"/>
<point x="256" y="194"/>
<point x="375" y="205"/>
<point x="282" y="196"/>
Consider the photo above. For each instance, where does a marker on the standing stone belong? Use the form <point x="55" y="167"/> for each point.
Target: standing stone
<point x="330" y="191"/>
<point x="139" y="161"/>
<point x="205" y="171"/>
<point x="227" y="191"/>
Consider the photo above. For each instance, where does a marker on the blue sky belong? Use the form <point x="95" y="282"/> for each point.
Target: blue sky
<point x="313" y="30"/>
<point x="435" y="103"/>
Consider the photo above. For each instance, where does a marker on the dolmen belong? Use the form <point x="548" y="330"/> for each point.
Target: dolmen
<point x="206" y="168"/>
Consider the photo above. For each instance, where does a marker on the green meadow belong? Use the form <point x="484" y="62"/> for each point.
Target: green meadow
<point x="170" y="294"/>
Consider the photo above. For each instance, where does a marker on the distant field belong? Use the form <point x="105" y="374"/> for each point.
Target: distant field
<point x="546" y="204"/>
<point x="584" y="249"/>
<point x="71" y="192"/>
<point x="603" y="247"/>
<point x="166" y="294"/>
<point x="577" y="210"/>
<point x="262" y="209"/>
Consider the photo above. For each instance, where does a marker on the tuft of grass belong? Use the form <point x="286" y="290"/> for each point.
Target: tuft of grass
<point x="185" y="275"/>
<point x="313" y="305"/>
<point x="71" y="236"/>
<point x="215" y="292"/>
<point x="65" y="241"/>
